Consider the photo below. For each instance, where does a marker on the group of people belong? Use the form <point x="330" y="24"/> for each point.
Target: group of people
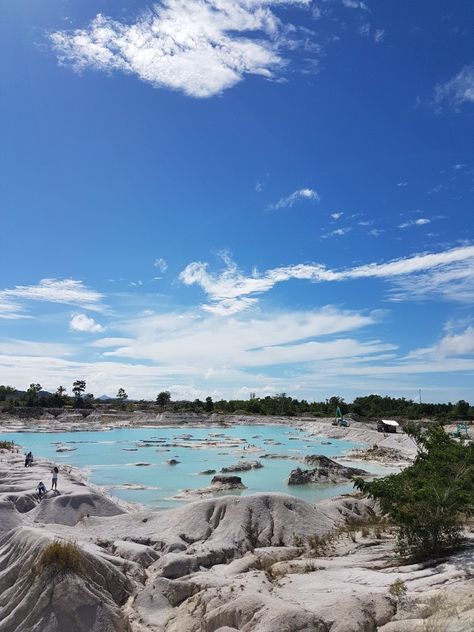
<point x="41" y="487"/>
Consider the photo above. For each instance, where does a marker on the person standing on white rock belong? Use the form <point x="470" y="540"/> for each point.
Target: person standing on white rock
<point x="54" y="484"/>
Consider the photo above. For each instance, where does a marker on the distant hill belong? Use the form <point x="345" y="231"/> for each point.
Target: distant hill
<point x="104" y="398"/>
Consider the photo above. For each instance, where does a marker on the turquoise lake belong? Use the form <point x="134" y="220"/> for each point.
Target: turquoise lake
<point x="110" y="458"/>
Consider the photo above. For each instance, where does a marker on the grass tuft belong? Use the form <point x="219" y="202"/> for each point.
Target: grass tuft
<point x="62" y="557"/>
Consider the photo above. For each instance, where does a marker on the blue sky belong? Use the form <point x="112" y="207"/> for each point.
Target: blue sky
<point x="232" y="196"/>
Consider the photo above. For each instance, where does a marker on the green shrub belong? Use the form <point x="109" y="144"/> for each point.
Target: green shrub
<point x="398" y="590"/>
<point x="7" y="445"/>
<point x="429" y="500"/>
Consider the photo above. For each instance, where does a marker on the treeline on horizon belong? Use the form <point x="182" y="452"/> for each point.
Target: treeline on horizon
<point x="14" y="401"/>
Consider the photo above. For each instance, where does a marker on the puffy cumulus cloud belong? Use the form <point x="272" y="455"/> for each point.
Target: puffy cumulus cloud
<point x="419" y="275"/>
<point x="296" y="196"/>
<point x="66" y="291"/>
<point x="457" y="91"/>
<point x="200" y="47"/>
<point x="83" y="323"/>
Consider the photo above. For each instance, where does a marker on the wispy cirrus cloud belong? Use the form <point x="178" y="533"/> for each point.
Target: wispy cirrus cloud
<point x="64" y="291"/>
<point x="421" y="221"/>
<point x="231" y="291"/>
<point x="451" y="345"/>
<point x="13" y="346"/>
<point x="379" y="35"/>
<point x="297" y="196"/>
<point x="200" y="47"/>
<point x="161" y="264"/>
<point x="338" y="232"/>
<point x="194" y="355"/>
<point x="452" y="282"/>
<point x="10" y="311"/>
<point x="355" y="4"/>
<point x="457" y="91"/>
<point x="260" y="340"/>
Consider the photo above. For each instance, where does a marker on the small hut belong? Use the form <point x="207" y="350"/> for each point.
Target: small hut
<point x="387" y="425"/>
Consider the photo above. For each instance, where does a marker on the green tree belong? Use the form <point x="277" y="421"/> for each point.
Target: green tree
<point x="32" y="394"/>
<point x="428" y="500"/>
<point x="122" y="397"/>
<point x="163" y="399"/>
<point x="60" y="392"/>
<point x="461" y="409"/>
<point x="209" y="405"/>
<point x="6" y="392"/>
<point x="78" y="387"/>
<point x="88" y="401"/>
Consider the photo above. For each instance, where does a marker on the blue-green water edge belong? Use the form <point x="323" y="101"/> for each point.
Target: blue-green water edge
<point x="110" y="459"/>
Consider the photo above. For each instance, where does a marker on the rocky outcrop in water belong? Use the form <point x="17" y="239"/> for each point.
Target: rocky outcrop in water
<point x="243" y="466"/>
<point x="228" y="482"/>
<point x="324" y="470"/>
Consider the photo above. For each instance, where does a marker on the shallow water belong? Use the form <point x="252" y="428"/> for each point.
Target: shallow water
<point x="110" y="458"/>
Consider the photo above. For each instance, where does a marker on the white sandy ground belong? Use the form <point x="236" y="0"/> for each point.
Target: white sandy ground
<point x="216" y="565"/>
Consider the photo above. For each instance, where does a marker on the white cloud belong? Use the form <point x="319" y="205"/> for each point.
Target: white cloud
<point x="376" y="232"/>
<point x="402" y="184"/>
<point x="337" y="216"/>
<point x="13" y="346"/>
<point x="65" y="291"/>
<point x="456" y="91"/>
<point x="200" y="47"/>
<point x="453" y="282"/>
<point x="379" y="35"/>
<point x="452" y="345"/>
<point x="309" y="353"/>
<point x="215" y="344"/>
<point x="422" y="221"/>
<point x="226" y="289"/>
<point x="161" y="264"/>
<point x="339" y="232"/>
<point x="296" y="196"/>
<point x="457" y="344"/>
<point x="10" y="311"/>
<point x="82" y="323"/>
<point x="355" y="4"/>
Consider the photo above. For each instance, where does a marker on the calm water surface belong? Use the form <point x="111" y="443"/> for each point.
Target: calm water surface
<point x="110" y="458"/>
